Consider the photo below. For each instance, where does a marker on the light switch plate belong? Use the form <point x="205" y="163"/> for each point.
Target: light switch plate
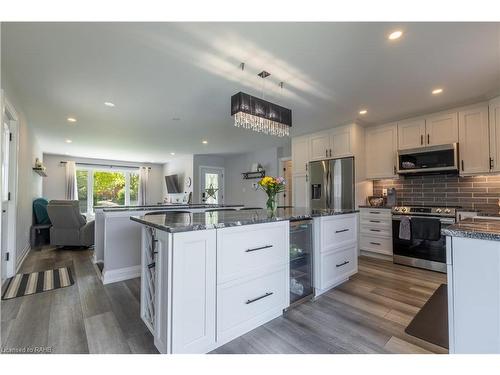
<point x="384" y="192"/>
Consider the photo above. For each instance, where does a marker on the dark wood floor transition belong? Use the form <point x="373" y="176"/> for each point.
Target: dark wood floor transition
<point x="367" y="314"/>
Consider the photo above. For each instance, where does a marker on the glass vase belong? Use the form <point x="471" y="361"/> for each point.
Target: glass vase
<point x="271" y="205"/>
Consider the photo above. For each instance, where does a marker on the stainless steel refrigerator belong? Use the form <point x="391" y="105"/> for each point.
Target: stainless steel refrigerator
<point x="332" y="184"/>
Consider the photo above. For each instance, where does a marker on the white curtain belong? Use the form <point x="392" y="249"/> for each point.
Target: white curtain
<point x="71" y="187"/>
<point x="143" y="183"/>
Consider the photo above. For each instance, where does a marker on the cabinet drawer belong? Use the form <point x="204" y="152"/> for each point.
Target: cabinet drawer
<point x="375" y="214"/>
<point x="375" y="229"/>
<point x="376" y="244"/>
<point x="243" y="305"/>
<point x="250" y="249"/>
<point x="338" y="265"/>
<point x="337" y="231"/>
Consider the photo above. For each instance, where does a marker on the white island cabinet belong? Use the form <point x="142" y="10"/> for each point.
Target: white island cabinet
<point x="473" y="294"/>
<point x="336" y="250"/>
<point x="203" y="288"/>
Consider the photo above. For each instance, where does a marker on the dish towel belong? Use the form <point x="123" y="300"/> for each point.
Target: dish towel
<point x="405" y="228"/>
<point x="424" y="228"/>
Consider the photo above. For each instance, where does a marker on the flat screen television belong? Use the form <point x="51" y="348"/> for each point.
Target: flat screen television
<point x="172" y="184"/>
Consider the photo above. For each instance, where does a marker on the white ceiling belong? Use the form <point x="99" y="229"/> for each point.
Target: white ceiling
<point x="155" y="72"/>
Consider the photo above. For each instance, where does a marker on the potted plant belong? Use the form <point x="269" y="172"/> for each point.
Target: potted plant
<point x="272" y="186"/>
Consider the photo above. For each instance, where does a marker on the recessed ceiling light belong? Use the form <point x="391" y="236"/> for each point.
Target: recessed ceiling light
<point x="395" y="35"/>
<point x="71" y="119"/>
<point x="363" y="112"/>
<point x="172" y="153"/>
<point x="437" y="91"/>
<point x="109" y="104"/>
<point x="68" y="140"/>
<point x="204" y="142"/>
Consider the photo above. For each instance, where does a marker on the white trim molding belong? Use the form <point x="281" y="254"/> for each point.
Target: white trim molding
<point x="120" y="274"/>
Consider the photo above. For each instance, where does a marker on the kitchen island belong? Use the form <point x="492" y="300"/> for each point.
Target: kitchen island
<point x="208" y="278"/>
<point x="473" y="267"/>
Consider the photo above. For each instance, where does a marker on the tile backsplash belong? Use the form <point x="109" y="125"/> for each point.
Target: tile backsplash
<point x="477" y="192"/>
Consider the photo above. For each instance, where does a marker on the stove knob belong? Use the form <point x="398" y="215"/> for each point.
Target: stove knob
<point x="447" y="211"/>
<point x="438" y="210"/>
<point x="404" y="209"/>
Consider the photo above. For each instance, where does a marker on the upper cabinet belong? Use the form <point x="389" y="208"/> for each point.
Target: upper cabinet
<point x="495" y="134"/>
<point x="433" y="130"/>
<point x="381" y="143"/>
<point x="441" y="129"/>
<point x="334" y="143"/>
<point x="300" y="154"/>
<point x="473" y="140"/>
<point x="411" y="133"/>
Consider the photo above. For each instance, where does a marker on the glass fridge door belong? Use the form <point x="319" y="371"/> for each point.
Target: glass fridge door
<point x="301" y="266"/>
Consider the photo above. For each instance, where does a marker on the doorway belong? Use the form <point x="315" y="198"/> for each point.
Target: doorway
<point x="285" y="199"/>
<point x="8" y="180"/>
<point x="212" y="185"/>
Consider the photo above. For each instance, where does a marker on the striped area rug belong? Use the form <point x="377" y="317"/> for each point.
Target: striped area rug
<point x="24" y="284"/>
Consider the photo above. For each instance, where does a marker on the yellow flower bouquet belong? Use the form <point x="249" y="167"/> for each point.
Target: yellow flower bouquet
<point x="272" y="186"/>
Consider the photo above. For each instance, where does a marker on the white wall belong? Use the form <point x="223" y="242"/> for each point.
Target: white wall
<point x="53" y="185"/>
<point x="181" y="166"/>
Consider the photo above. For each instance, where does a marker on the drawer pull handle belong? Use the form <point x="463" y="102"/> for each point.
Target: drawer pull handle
<point x="341" y="230"/>
<point x="342" y="264"/>
<point x="375" y="230"/>
<point x="374" y="221"/>
<point x="151" y="265"/>
<point x="375" y="212"/>
<point x="375" y="243"/>
<point x="258" y="248"/>
<point x="258" y="298"/>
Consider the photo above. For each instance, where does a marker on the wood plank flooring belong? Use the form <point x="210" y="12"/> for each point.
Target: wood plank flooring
<point x="367" y="314"/>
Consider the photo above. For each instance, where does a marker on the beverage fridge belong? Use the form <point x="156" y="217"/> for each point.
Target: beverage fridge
<point x="301" y="261"/>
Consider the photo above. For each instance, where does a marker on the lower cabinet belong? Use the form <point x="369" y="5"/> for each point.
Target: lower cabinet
<point x="335" y="250"/>
<point x="375" y="232"/>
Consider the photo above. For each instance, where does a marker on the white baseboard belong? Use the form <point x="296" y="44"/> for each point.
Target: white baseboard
<point x="376" y="255"/>
<point x="120" y="274"/>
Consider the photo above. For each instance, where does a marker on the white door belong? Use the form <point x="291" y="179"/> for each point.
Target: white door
<point x="300" y="154"/>
<point x="5" y="160"/>
<point x="441" y="129"/>
<point x="319" y="146"/>
<point x="340" y="141"/>
<point x="381" y="144"/>
<point x="474" y="138"/>
<point x="212" y="185"/>
<point x="411" y="134"/>
<point x="495" y="135"/>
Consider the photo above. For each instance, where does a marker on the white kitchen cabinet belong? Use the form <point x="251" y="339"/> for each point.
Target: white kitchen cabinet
<point x="441" y="129"/>
<point x="375" y="230"/>
<point x="341" y="142"/>
<point x="473" y="295"/>
<point x="335" y="250"/>
<point x="411" y="133"/>
<point x="300" y="154"/>
<point x="494" y="109"/>
<point x="381" y="144"/>
<point x="300" y="190"/>
<point x="320" y="145"/>
<point x="474" y="140"/>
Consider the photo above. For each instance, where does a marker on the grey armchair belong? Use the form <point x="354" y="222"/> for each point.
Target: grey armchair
<point x="69" y="227"/>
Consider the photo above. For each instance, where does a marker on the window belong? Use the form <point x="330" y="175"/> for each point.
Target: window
<point x="106" y="188"/>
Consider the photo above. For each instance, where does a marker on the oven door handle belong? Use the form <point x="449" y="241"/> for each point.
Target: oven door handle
<point x="445" y="221"/>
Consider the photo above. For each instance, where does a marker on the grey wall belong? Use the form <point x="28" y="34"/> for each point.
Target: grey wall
<point x="53" y="185"/>
<point x="183" y="167"/>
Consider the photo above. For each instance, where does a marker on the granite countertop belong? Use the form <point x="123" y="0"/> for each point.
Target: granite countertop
<point x="164" y="207"/>
<point x="483" y="228"/>
<point x="376" y="207"/>
<point x="185" y="222"/>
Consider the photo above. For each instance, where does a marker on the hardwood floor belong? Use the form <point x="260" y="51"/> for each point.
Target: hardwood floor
<point x="367" y="314"/>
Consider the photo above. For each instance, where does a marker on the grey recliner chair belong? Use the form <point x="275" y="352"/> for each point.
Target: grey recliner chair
<point x="69" y="227"/>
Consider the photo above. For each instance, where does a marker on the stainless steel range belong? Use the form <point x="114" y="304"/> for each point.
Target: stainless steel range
<point x="420" y="243"/>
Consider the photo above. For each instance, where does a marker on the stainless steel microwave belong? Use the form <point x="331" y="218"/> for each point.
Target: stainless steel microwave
<point x="432" y="159"/>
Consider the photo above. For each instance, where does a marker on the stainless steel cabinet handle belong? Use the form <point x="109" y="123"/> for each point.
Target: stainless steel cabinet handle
<point x="258" y="298"/>
<point x="395" y="171"/>
<point x="374" y="221"/>
<point x="326" y="153"/>
<point x="421" y="139"/>
<point x="258" y="248"/>
<point x="491" y="163"/>
<point x="151" y="265"/>
<point x="375" y="230"/>
<point x="330" y="152"/>
<point x="462" y="165"/>
<point x="342" y="264"/>
<point x="375" y="212"/>
<point x="341" y="230"/>
<point x="306" y="167"/>
<point x="375" y="243"/>
<point x="428" y="139"/>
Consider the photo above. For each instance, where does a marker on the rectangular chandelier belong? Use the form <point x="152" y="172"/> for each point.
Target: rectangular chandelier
<point x="260" y="115"/>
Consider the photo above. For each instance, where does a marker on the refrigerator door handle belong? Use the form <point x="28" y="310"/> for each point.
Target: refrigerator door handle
<point x="328" y="187"/>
